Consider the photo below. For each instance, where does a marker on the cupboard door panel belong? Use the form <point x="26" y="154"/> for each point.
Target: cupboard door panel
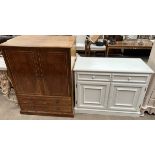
<point x="24" y="70"/>
<point x="125" y="96"/>
<point x="55" y="70"/>
<point x="93" y="94"/>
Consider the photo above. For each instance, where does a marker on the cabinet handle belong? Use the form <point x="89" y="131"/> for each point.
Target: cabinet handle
<point x="93" y="77"/>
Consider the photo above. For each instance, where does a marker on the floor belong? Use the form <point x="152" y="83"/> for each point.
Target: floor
<point x="9" y="110"/>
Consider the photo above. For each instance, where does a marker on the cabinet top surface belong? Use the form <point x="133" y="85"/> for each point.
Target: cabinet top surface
<point x="41" y="41"/>
<point x="129" y="65"/>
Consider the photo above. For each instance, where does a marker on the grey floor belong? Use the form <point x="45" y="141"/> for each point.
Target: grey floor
<point x="9" y="110"/>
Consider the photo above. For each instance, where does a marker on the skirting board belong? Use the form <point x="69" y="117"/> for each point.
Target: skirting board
<point x="106" y="112"/>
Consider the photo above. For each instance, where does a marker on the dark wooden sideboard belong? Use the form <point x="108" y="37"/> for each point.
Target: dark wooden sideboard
<point x="40" y="70"/>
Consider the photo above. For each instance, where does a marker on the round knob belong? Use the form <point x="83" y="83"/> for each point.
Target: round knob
<point x="129" y="78"/>
<point x="93" y="77"/>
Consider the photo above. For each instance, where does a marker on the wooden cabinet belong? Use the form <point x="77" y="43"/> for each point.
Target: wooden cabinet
<point x="40" y="69"/>
<point x="110" y="85"/>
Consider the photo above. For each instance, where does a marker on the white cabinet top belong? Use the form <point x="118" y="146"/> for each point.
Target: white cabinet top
<point x="129" y="65"/>
<point x="2" y="64"/>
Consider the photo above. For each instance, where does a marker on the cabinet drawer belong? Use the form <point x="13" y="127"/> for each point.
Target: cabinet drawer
<point x="45" y="105"/>
<point x="153" y="94"/>
<point x="45" y="108"/>
<point x="130" y="78"/>
<point x="94" y="76"/>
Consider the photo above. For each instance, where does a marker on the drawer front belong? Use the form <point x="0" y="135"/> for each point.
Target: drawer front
<point x="130" y="78"/>
<point x="45" y="108"/>
<point x="94" y="76"/>
<point x="45" y="105"/>
<point x="153" y="94"/>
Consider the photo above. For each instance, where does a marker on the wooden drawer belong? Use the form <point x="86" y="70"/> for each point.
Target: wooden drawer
<point x="94" y="76"/>
<point x="153" y="94"/>
<point x="45" y="105"/>
<point x="45" y="108"/>
<point x="138" y="78"/>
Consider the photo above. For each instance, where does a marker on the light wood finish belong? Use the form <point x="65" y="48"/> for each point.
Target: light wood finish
<point x="41" y="41"/>
<point x="40" y="69"/>
<point x="129" y="44"/>
<point x="90" y="44"/>
<point x="110" y="85"/>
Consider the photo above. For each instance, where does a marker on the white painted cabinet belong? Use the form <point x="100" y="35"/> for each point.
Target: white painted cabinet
<point x="110" y="86"/>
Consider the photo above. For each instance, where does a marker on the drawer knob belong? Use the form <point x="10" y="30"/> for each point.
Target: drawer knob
<point x="129" y="78"/>
<point x="93" y="77"/>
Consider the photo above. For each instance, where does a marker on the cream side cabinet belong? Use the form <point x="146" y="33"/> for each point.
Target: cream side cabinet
<point x="97" y="96"/>
<point x="109" y="91"/>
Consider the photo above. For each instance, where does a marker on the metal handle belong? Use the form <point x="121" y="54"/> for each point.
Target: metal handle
<point x="93" y="77"/>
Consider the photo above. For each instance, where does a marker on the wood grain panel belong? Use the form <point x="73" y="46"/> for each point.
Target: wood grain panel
<point x="55" y="72"/>
<point x="45" y="104"/>
<point x="24" y="70"/>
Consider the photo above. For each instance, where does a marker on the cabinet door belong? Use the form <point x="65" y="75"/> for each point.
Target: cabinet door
<point x="23" y="68"/>
<point x="92" y="94"/>
<point x="56" y="71"/>
<point x="126" y="96"/>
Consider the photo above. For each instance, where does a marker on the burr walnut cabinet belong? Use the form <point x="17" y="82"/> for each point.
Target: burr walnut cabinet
<point x="40" y="70"/>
